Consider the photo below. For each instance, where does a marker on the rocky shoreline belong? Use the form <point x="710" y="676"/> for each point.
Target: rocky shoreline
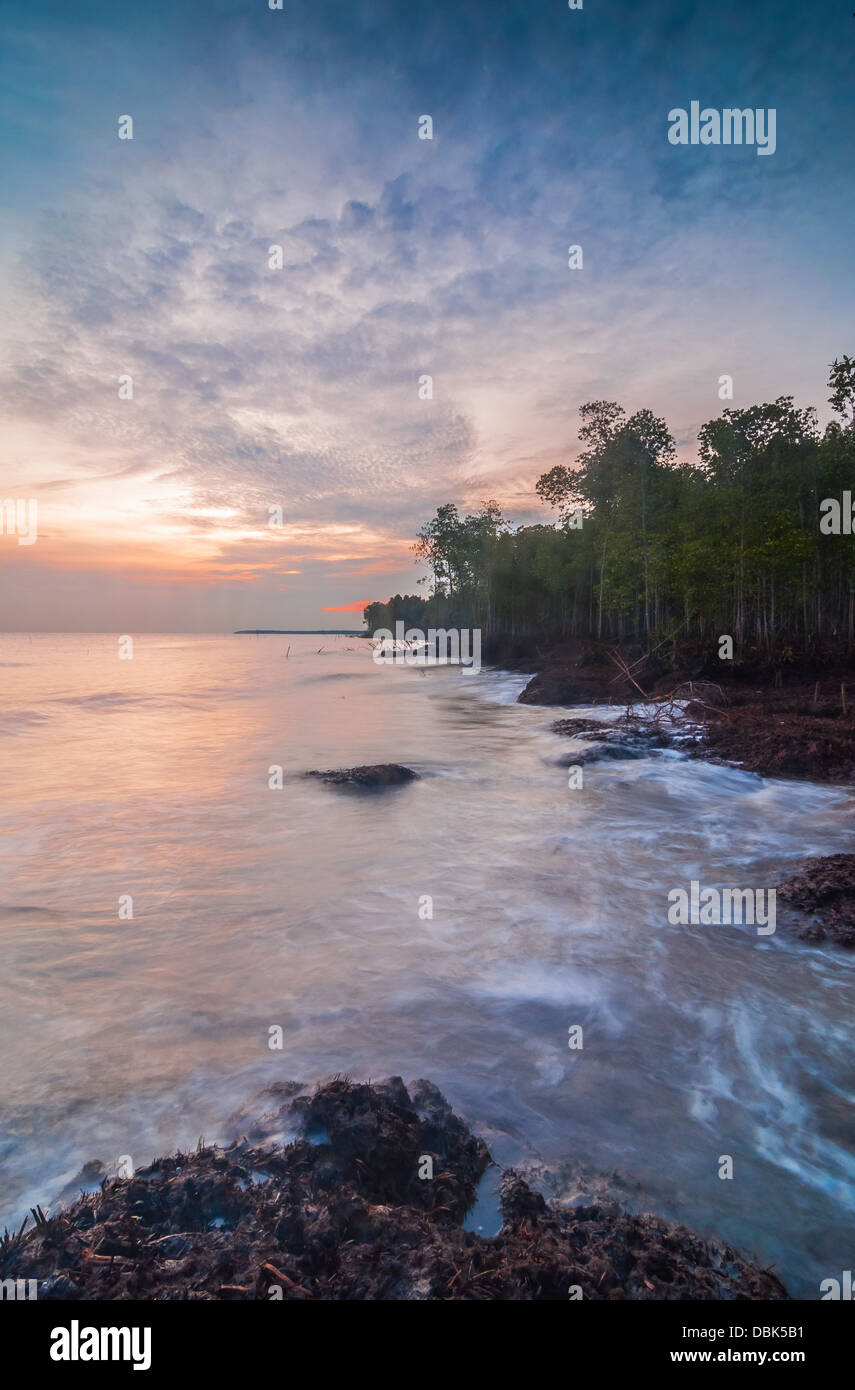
<point x="775" y="722"/>
<point x="366" y="1202"/>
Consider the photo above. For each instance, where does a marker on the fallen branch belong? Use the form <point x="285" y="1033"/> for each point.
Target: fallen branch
<point x="283" y="1279"/>
<point x="627" y="673"/>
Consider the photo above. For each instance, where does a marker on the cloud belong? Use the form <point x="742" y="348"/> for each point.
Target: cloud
<point x="299" y="388"/>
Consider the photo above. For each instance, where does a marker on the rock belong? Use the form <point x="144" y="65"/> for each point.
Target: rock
<point x="607" y="752"/>
<point x="59" y="1287"/>
<point x="358" y="1218"/>
<point x="373" y="777"/>
<point x="577" y="728"/>
<point x="825" y="888"/>
<point x="610" y="741"/>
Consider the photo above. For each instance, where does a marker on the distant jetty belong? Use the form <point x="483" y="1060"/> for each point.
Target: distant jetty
<point x="299" y="632"/>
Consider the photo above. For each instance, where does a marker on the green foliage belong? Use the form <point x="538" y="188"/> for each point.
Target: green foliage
<point x="406" y="608"/>
<point x="731" y="545"/>
<point x="841" y="383"/>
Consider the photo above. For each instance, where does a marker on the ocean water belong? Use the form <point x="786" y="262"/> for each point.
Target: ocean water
<point x="299" y="908"/>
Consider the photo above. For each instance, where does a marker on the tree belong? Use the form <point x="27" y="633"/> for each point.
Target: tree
<point x="841" y="383"/>
<point x="731" y="544"/>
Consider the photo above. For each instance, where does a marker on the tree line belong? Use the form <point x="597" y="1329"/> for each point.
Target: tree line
<point x="646" y="546"/>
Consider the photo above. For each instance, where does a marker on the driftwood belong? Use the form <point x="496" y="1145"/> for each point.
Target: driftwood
<point x="669" y="708"/>
<point x="283" y="1279"/>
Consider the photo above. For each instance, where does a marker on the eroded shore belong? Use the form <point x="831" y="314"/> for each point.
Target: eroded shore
<point x="776" y="719"/>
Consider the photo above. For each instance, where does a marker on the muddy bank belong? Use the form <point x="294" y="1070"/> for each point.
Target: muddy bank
<point x="824" y="890"/>
<point x="782" y="732"/>
<point x="773" y="720"/>
<point x="345" y="1211"/>
<point x="579" y="673"/>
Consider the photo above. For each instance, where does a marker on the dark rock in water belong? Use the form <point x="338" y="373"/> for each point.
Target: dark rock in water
<point x="372" y="1212"/>
<point x="599" y="753"/>
<point x="605" y="752"/>
<point x="825" y="888"/>
<point x="375" y="776"/>
<point x="577" y="728"/>
<point x="610" y="741"/>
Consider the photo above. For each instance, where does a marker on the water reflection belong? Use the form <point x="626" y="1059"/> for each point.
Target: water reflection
<point x="300" y="908"/>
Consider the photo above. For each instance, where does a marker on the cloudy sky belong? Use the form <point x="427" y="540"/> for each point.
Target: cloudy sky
<point x="298" y="388"/>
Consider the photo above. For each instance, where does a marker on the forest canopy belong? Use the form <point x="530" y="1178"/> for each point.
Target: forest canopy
<point x="646" y="545"/>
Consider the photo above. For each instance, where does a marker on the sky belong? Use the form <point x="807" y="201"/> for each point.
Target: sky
<point x="301" y="388"/>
